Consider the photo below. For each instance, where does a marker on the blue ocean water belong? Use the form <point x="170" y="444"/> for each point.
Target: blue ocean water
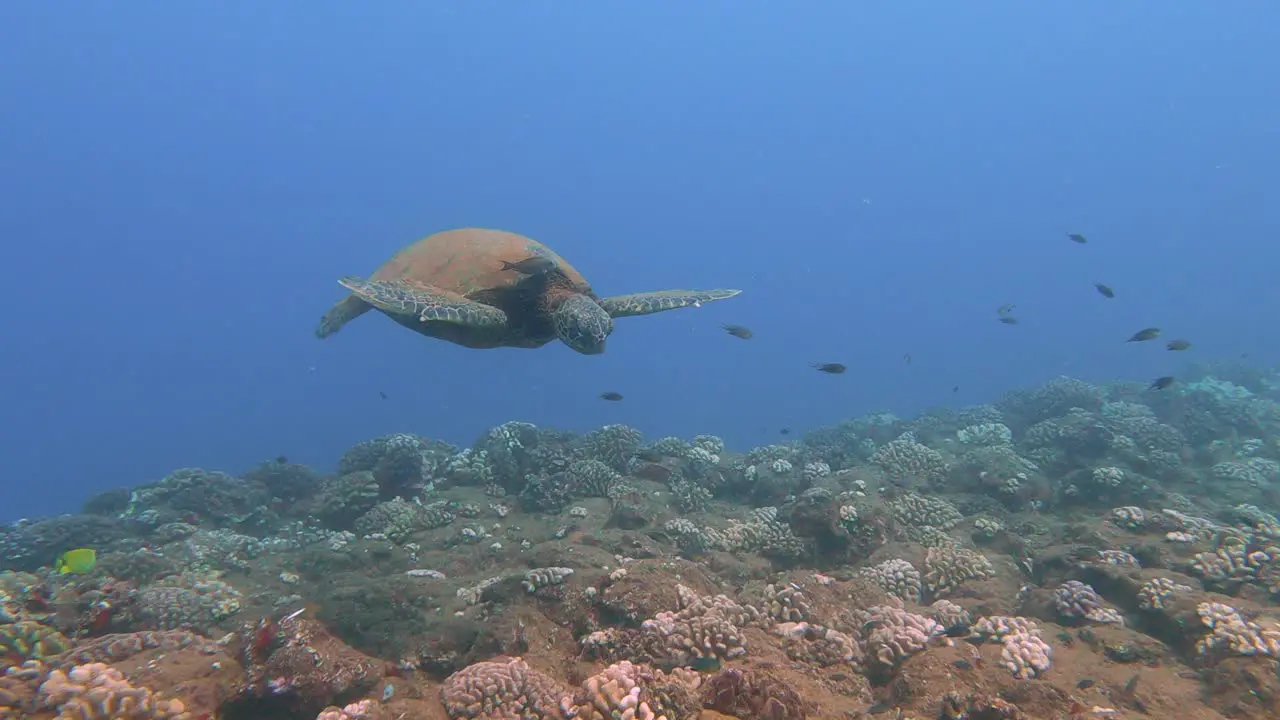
<point x="183" y="183"/>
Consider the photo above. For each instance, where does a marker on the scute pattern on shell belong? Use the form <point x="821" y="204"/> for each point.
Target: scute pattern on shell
<point x="470" y="260"/>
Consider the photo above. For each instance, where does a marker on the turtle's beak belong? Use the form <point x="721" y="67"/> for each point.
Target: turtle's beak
<point x="590" y="340"/>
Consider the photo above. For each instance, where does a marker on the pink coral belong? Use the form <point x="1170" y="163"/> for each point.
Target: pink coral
<point x="504" y="688"/>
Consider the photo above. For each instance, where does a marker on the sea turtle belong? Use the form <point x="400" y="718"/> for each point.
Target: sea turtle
<point x="469" y="287"/>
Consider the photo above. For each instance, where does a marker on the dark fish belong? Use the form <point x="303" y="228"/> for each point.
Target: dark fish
<point x="1178" y="345"/>
<point x="535" y="265"/>
<point x="1145" y="334"/>
<point x="649" y="455"/>
<point x="282" y="460"/>
<point x="784" y="431"/>
<point x="907" y="358"/>
<point x="1008" y="320"/>
<point x="707" y="664"/>
<point x="1084" y="684"/>
<point x="738" y="331"/>
<point x="955" y="389"/>
<point x="382" y="395"/>
<point x="1077" y="238"/>
<point x="611" y="396"/>
<point x="1161" y="383"/>
<point x="962" y="664"/>
<point x="1005" y="309"/>
<point x="1104" y="290"/>
<point x="830" y="368"/>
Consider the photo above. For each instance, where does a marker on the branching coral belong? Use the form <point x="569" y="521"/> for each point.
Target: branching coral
<point x="896" y="577"/>
<point x="914" y="512"/>
<point x="100" y="692"/>
<point x="398" y="518"/>
<point x="1230" y="633"/>
<point x="635" y="692"/>
<point x="613" y="445"/>
<point x="906" y="459"/>
<point x="591" y="478"/>
<point x="785" y="603"/>
<point x="1234" y="562"/>
<point x="28" y="640"/>
<point x="1155" y="592"/>
<point x="545" y="577"/>
<point x="504" y="688"/>
<point x="762" y="532"/>
<point x="1074" y="599"/>
<point x="893" y="634"/>
<point x="947" y="568"/>
<point x="819" y="645"/>
<point x="703" y="627"/>
<point x="1024" y="654"/>
<point x="362" y="710"/>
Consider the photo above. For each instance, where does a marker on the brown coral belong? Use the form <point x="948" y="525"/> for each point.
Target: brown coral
<point x="752" y="694"/>
<point x="314" y="666"/>
<point x="29" y="640"/>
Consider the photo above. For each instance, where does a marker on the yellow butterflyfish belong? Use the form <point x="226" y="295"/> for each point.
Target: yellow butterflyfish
<point x="79" y="561"/>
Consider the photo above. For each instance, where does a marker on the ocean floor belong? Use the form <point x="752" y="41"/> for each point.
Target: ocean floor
<point x="1069" y="551"/>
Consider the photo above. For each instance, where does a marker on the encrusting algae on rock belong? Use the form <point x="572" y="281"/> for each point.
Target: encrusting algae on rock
<point x="1070" y="550"/>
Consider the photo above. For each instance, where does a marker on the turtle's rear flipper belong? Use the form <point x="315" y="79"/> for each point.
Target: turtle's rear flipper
<point x="652" y="302"/>
<point x="426" y="302"/>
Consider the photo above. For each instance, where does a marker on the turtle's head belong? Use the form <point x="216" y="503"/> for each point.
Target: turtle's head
<point x="582" y="324"/>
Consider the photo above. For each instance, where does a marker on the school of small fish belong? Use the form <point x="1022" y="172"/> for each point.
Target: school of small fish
<point x="1004" y="314"/>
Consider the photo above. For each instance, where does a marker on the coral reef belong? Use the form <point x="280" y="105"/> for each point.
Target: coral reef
<point x="1072" y="550"/>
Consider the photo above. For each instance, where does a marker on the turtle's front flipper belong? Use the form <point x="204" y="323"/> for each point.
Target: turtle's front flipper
<point x="652" y="302"/>
<point x="407" y="297"/>
<point x="344" y="311"/>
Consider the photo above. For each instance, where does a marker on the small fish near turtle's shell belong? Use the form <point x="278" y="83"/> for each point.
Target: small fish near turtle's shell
<point x="475" y="263"/>
<point x="535" y="265"/>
